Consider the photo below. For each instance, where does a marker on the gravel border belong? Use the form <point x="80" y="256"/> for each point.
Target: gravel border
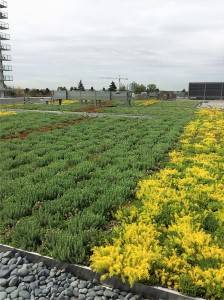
<point x="22" y="279"/>
<point x="83" y="274"/>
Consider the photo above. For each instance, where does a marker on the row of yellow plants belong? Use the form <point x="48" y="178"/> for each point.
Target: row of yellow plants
<point x="64" y="102"/>
<point x="146" y="102"/>
<point x="5" y="106"/>
<point x="7" y="113"/>
<point x="174" y="236"/>
<point x="69" y="102"/>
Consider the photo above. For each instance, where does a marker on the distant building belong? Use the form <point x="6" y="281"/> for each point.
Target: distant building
<point x="206" y="90"/>
<point x="181" y="94"/>
<point x="167" y="95"/>
<point x="4" y="47"/>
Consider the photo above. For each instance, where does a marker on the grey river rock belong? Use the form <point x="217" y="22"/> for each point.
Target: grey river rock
<point x="21" y="279"/>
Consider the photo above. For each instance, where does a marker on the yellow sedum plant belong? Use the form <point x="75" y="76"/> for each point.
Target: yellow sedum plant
<point x="69" y="102"/>
<point x="175" y="237"/>
<point x="127" y="258"/>
<point x="147" y="102"/>
<point x="7" y="113"/>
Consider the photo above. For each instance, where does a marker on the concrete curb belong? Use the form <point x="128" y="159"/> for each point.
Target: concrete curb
<point x="85" y="273"/>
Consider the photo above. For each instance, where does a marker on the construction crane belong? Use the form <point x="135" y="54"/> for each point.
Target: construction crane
<point x="119" y="78"/>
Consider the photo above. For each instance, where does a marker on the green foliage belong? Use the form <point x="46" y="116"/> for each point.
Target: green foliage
<point x="138" y="88"/>
<point x="60" y="189"/>
<point x="187" y="286"/>
<point x="152" y="88"/>
<point x="210" y="223"/>
<point x="21" y="122"/>
<point x="28" y="234"/>
<point x="112" y="87"/>
<point x="81" y="86"/>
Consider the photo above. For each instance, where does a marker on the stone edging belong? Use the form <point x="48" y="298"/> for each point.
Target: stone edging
<point x="85" y="273"/>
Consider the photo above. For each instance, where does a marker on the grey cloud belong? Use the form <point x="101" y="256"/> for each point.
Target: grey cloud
<point x="166" y="41"/>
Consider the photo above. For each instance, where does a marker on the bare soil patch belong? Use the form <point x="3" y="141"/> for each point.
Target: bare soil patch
<point x="24" y="134"/>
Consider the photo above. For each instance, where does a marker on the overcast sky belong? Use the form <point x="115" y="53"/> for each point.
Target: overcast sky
<point x="167" y="42"/>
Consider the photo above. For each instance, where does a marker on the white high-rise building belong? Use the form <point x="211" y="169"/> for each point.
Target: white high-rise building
<point x="4" y="48"/>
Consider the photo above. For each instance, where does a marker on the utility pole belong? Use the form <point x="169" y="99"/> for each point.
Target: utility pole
<point x="4" y="47"/>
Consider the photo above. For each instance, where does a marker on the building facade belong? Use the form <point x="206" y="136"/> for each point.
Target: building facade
<point x="206" y="90"/>
<point x="5" y="69"/>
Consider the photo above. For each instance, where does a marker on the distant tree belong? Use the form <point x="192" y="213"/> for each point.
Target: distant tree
<point x="19" y="92"/>
<point x="138" y="88"/>
<point x="10" y="92"/>
<point x="134" y="86"/>
<point x="151" y="88"/>
<point x="47" y="92"/>
<point x="32" y="93"/>
<point x="92" y="88"/>
<point x="61" y="88"/>
<point x="122" y="88"/>
<point x="81" y="86"/>
<point x="42" y="92"/>
<point x="73" y="88"/>
<point x="104" y="89"/>
<point x="112" y="87"/>
<point x="26" y="91"/>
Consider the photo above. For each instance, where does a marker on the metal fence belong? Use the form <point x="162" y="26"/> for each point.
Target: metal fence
<point x="94" y="97"/>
